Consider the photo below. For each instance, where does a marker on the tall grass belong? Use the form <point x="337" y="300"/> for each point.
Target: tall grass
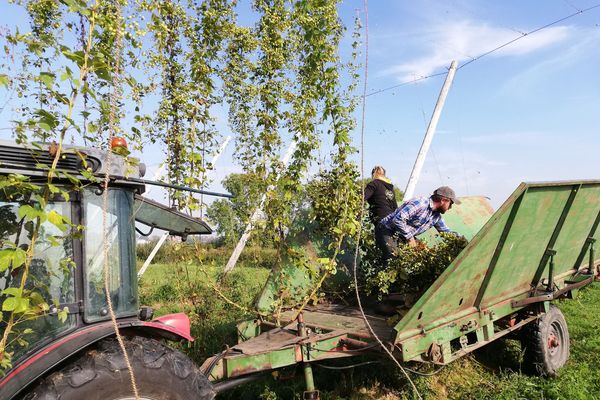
<point x="175" y="251"/>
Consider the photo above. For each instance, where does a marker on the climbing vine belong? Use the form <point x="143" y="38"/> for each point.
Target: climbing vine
<point x="180" y="61"/>
<point x="35" y="250"/>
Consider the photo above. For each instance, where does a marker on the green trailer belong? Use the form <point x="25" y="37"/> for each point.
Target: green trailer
<point x="538" y="247"/>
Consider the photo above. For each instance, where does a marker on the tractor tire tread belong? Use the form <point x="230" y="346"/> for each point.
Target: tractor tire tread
<point x="160" y="372"/>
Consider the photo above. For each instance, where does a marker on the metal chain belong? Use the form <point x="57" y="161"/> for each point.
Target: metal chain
<point x="116" y="93"/>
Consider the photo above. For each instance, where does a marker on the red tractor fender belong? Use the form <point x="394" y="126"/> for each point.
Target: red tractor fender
<point x="45" y="358"/>
<point x="177" y="325"/>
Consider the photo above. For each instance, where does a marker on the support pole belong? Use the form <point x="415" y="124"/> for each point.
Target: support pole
<point x="213" y="162"/>
<point x="592" y="258"/>
<point x="246" y="235"/>
<point x="310" y="393"/>
<point x="550" y="286"/>
<point x="162" y="239"/>
<point x="153" y="253"/>
<point x="416" y="171"/>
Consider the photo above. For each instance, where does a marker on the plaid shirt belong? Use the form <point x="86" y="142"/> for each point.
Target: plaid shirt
<point x="414" y="217"/>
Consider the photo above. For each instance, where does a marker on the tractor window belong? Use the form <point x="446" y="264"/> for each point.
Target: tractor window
<point x="50" y="272"/>
<point x="119" y="249"/>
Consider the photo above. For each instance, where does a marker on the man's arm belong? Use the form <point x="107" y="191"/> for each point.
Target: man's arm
<point x="441" y="226"/>
<point x="402" y="215"/>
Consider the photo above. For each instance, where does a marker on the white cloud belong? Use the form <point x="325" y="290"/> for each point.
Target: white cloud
<point x="580" y="50"/>
<point x="465" y="40"/>
<point x="509" y="138"/>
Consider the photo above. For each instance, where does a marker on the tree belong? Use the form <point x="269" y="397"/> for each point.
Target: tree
<point x="232" y="215"/>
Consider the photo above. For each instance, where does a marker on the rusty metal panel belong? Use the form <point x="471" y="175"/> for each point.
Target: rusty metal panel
<point x="509" y="254"/>
<point x="344" y="319"/>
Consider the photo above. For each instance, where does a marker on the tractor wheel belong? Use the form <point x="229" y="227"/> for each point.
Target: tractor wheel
<point x="545" y="344"/>
<point x="161" y="373"/>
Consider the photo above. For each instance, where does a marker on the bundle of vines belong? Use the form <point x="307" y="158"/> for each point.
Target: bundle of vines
<point x="414" y="269"/>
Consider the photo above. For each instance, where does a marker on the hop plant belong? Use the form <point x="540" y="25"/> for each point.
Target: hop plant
<point x="415" y="269"/>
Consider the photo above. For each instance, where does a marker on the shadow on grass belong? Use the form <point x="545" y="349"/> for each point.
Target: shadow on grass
<point x="501" y="355"/>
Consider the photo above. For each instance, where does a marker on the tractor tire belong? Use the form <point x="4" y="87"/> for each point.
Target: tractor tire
<point x="545" y="344"/>
<point x="161" y="373"/>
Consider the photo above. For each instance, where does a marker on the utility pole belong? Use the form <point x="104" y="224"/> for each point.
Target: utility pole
<point x="166" y="234"/>
<point x="246" y="235"/>
<point x="416" y="171"/>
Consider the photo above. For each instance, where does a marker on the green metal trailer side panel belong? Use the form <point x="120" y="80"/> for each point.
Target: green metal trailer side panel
<point x="467" y="218"/>
<point x="509" y="254"/>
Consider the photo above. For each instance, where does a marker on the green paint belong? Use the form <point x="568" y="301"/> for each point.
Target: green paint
<point x="507" y="252"/>
<point x="308" y="377"/>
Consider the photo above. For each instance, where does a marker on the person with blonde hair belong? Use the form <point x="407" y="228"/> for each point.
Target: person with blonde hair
<point x="379" y="193"/>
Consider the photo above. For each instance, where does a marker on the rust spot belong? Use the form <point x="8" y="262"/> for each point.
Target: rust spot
<point x="250" y="369"/>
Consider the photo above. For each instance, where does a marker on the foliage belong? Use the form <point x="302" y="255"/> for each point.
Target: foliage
<point x="185" y="62"/>
<point x="75" y="76"/>
<point x="31" y="229"/>
<point x="232" y="215"/>
<point x="55" y="76"/>
<point x="174" y="251"/>
<point x="284" y="75"/>
<point x="414" y="269"/>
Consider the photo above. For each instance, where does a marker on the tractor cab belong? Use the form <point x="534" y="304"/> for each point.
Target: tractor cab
<point x="74" y="228"/>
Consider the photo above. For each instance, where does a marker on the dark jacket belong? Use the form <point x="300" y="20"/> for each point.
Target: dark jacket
<point x="379" y="193"/>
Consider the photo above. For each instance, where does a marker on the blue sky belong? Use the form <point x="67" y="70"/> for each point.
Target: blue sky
<point x="529" y="112"/>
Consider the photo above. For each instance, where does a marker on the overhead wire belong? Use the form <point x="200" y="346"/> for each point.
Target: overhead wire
<point x="107" y="273"/>
<point x="487" y="53"/>
<point x="362" y="169"/>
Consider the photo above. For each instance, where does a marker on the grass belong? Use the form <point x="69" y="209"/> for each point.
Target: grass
<point x="490" y="373"/>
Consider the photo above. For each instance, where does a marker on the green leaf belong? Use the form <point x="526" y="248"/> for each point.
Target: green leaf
<point x="10" y="304"/>
<point x="4" y="80"/>
<point x="54" y="242"/>
<point x="26" y="211"/>
<point x="44" y="126"/>
<point x="13" y="291"/>
<point x="63" y="314"/>
<point x="57" y="220"/>
<point x="6" y="257"/>
<point x="19" y="258"/>
<point x="53" y="188"/>
<point x="36" y="298"/>
<point x="47" y="79"/>
<point x="22" y="305"/>
<point x="103" y="74"/>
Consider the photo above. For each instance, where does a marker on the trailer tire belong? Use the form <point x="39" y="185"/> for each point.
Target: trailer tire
<point x="101" y="373"/>
<point x="545" y="344"/>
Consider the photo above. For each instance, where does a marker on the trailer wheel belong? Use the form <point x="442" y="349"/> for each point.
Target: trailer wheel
<point x="545" y="344"/>
<point x="161" y="373"/>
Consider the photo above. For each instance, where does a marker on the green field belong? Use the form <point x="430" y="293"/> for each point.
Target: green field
<point x="491" y="373"/>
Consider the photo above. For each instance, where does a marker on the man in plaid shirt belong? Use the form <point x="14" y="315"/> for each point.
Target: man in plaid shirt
<point x="414" y="217"/>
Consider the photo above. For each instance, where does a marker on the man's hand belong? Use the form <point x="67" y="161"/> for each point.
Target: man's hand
<point x="412" y="242"/>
